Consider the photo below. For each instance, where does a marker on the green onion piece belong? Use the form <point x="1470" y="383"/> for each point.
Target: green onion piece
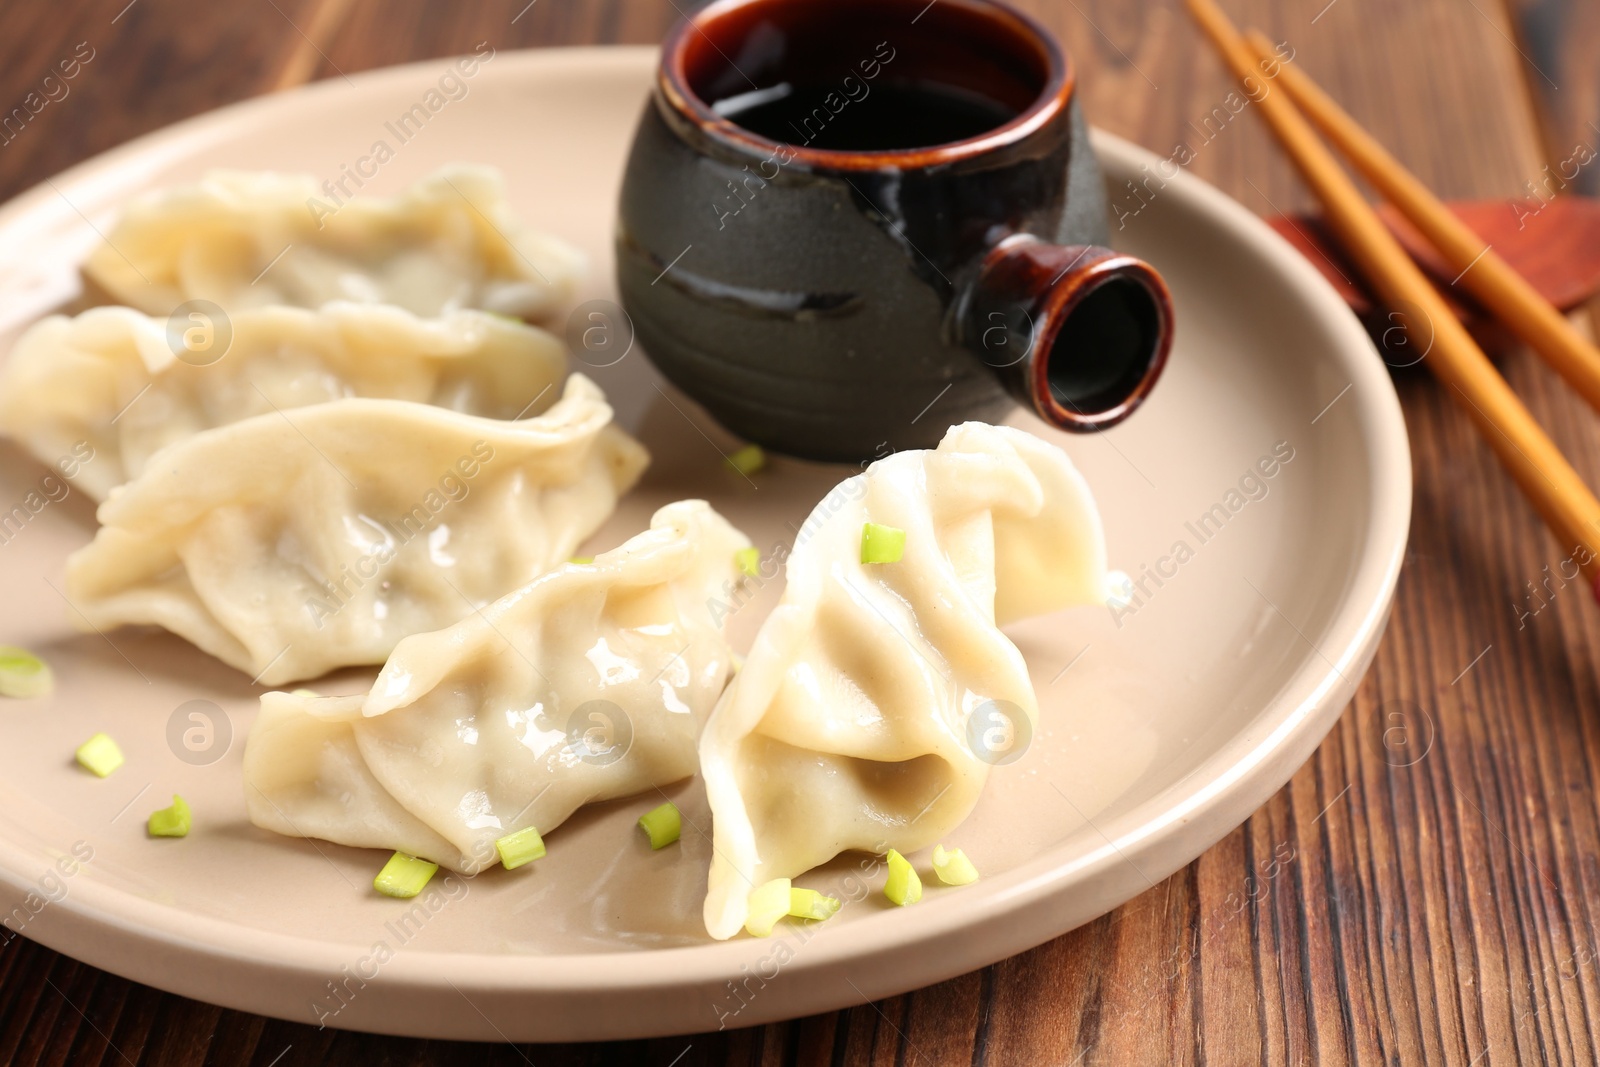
<point x="736" y="661"/>
<point x="882" y="544"/>
<point x="768" y="904"/>
<point x="24" y="675"/>
<point x="581" y="560"/>
<point x="171" y="822"/>
<point x="662" y="825"/>
<point x="810" y="904"/>
<point x="748" y="560"/>
<point x="524" y="846"/>
<point x="903" y="886"/>
<point x="403" y="876"/>
<point x="100" y="755"/>
<point x="953" y="867"/>
<point x="748" y="460"/>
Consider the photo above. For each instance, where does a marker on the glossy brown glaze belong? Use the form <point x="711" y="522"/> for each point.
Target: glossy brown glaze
<point x="1078" y="333"/>
<point x="1414" y="923"/>
<point x="983" y="47"/>
<point x="818" y="300"/>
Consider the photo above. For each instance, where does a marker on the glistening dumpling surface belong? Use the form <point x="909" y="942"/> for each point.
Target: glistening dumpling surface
<point x="864" y="714"/>
<point x="110" y="376"/>
<point x="293" y="543"/>
<point x="592" y="682"/>
<point x="243" y="239"/>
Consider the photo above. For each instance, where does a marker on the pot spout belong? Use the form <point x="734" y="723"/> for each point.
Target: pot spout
<point x="1078" y="333"/>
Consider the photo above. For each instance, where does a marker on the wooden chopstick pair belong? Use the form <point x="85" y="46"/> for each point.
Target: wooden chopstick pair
<point x="1549" y="482"/>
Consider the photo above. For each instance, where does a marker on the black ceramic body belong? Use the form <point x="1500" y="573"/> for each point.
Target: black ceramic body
<point x="823" y="311"/>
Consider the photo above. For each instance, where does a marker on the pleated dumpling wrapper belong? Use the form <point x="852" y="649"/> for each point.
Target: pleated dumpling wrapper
<point x="244" y="239"/>
<point x="590" y="683"/>
<point x="297" y="542"/>
<point x="127" y="384"/>
<point x="864" y="713"/>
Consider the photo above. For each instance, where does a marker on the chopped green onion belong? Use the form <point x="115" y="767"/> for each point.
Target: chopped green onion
<point x="953" y="867"/>
<point x="810" y="904"/>
<point x="581" y="560"/>
<point x="662" y="825"/>
<point x="748" y="560"/>
<point x="100" y="755"/>
<point x="736" y="661"/>
<point x="768" y="903"/>
<point x="403" y="876"/>
<point x="748" y="460"/>
<point x="903" y="886"/>
<point x="171" y="822"/>
<point x="24" y="675"/>
<point x="524" y="846"/>
<point x="882" y="544"/>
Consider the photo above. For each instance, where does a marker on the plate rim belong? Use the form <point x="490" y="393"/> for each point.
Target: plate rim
<point x="1245" y="771"/>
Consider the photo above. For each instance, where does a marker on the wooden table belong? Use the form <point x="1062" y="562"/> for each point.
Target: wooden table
<point x="1443" y="898"/>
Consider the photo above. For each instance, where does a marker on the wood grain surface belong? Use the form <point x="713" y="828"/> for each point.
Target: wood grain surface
<point x="1425" y="890"/>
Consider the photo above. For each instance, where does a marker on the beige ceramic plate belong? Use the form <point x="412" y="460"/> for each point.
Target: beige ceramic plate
<point x="1160" y="731"/>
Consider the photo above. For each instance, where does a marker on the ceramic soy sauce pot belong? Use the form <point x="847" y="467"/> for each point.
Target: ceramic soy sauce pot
<point x="847" y="224"/>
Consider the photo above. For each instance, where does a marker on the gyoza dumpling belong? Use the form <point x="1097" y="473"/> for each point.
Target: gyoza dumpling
<point x="109" y="377"/>
<point x="590" y="683"/>
<point x="244" y="239"/>
<point x="293" y="543"/>
<point x="862" y="718"/>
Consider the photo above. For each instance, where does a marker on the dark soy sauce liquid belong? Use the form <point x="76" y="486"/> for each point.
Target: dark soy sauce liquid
<point x="889" y="116"/>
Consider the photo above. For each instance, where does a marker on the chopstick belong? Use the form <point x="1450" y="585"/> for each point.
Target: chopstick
<point x="1482" y="271"/>
<point x="1554" y="489"/>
